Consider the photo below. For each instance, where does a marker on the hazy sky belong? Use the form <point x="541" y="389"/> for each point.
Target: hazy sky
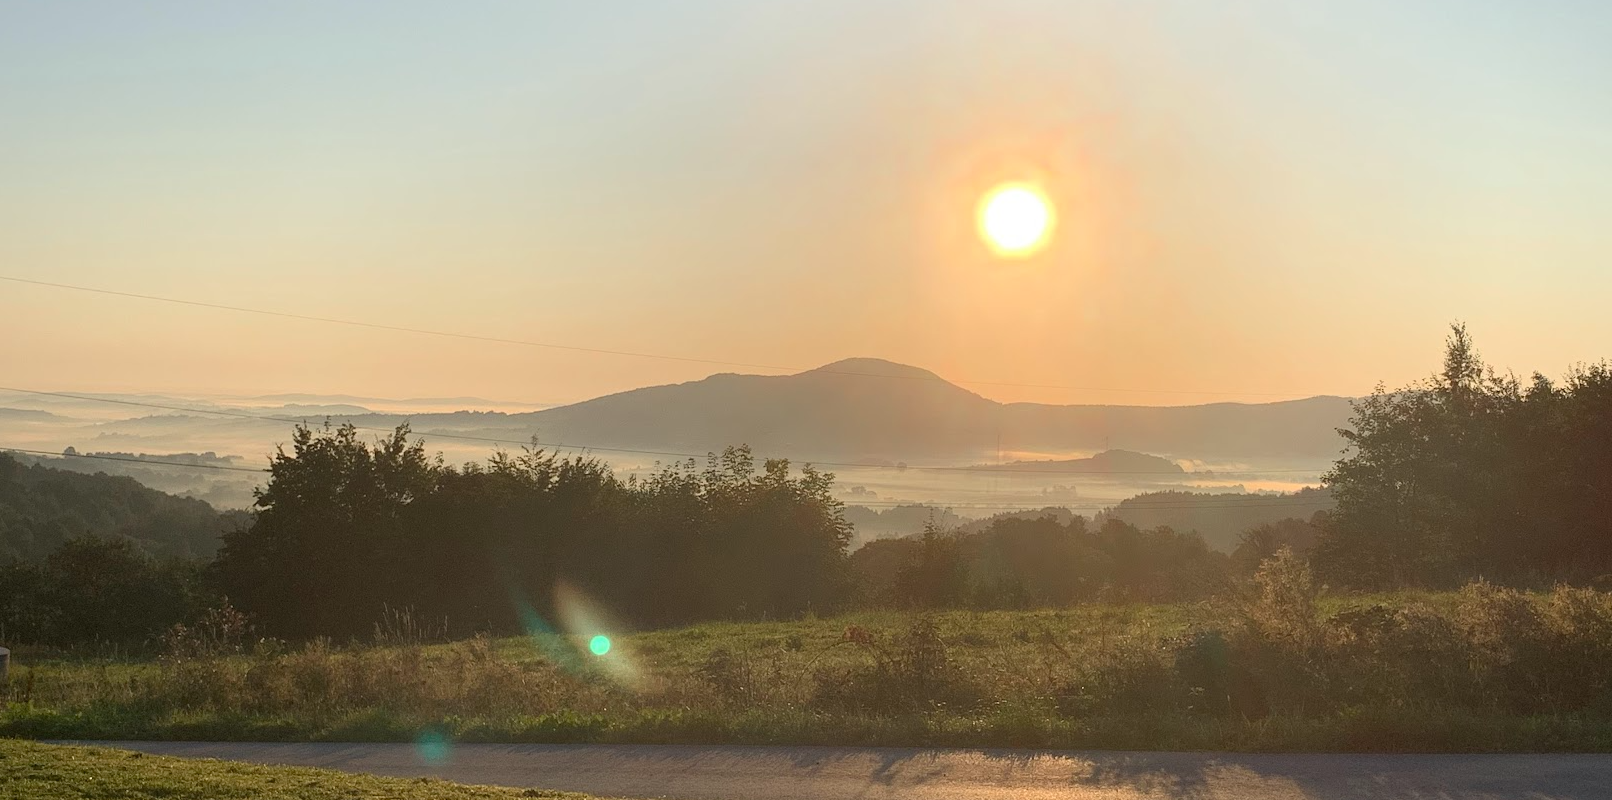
<point x="1254" y="197"/>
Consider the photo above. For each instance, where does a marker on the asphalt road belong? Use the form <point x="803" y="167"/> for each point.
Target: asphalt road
<point x="829" y="773"/>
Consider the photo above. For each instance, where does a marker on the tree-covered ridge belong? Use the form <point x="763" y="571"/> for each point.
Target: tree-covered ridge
<point x="1221" y="518"/>
<point x="1018" y="562"/>
<point x="41" y="508"/>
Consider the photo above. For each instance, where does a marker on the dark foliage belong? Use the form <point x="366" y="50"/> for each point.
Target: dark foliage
<point x="1471" y="474"/>
<point x="1221" y="518"/>
<point x="41" y="507"/>
<point x="1260" y="543"/>
<point x="98" y="590"/>
<point x="345" y="529"/>
<point x="1031" y="563"/>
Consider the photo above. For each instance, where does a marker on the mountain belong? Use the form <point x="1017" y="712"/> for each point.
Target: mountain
<point x="42" y="507"/>
<point x="853" y="408"/>
<point x="867" y="408"/>
<point x="1109" y="462"/>
<point x="859" y="410"/>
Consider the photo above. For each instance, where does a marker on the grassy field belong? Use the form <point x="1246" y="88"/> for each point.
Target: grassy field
<point x="30" y="771"/>
<point x="1479" y="670"/>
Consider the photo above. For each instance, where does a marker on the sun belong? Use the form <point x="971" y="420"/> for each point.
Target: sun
<point x="1015" y="219"/>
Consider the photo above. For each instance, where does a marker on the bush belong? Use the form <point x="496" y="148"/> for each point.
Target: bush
<point x="1397" y="656"/>
<point x="1549" y="654"/>
<point x="1281" y="609"/>
<point x="915" y="672"/>
<point x="404" y="627"/>
<point x="1128" y="677"/>
<point x="1579" y="631"/>
<point x="732" y="674"/>
<point x="1277" y="640"/>
<point x="220" y="631"/>
<point x="1203" y="664"/>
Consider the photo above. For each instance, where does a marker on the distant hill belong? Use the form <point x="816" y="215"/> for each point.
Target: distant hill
<point x="1063" y="515"/>
<point x="1220" y="518"/>
<point x="839" y="412"/>
<point x="859" y="411"/>
<point x="866" y="408"/>
<point x="902" y="520"/>
<point x="1126" y="463"/>
<point x="26" y="415"/>
<point x="41" y="507"/>
<point x="365" y="404"/>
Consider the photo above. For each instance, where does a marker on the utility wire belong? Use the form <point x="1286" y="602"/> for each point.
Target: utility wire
<point x="624" y="353"/>
<point x="997" y="470"/>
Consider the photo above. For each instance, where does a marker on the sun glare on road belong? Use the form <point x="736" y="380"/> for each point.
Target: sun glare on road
<point x="1015" y="219"/>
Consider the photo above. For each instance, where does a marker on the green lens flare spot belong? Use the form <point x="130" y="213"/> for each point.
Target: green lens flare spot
<point x="599" y="645"/>
<point x="433" y="747"/>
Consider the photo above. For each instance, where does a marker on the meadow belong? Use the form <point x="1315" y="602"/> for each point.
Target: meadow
<point x="1278" y="667"/>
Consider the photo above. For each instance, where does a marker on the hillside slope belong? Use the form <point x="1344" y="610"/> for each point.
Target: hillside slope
<point x="42" y="507"/>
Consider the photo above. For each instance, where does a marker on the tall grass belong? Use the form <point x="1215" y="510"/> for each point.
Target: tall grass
<point x="1278" y="666"/>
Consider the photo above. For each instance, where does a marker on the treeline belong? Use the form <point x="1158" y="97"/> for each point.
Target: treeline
<point x="103" y="590"/>
<point x="1466" y="476"/>
<point x="1037" y="563"/>
<point x="41" y="508"/>
<point x="1471" y="474"/>
<point x="345" y="528"/>
<point x="1222" y="518"/>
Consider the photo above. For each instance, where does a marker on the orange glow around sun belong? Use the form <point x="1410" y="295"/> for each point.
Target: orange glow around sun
<point x="1015" y="219"/>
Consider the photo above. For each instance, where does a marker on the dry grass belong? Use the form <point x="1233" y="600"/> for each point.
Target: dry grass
<point x="1278" y="668"/>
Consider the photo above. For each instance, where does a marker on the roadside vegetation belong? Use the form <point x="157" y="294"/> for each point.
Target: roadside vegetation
<point x="1278" y="667"/>
<point x="381" y="595"/>
<point x="31" y="771"/>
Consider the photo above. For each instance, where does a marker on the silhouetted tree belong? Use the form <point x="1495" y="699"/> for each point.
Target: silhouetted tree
<point x="934" y="575"/>
<point x="1470" y="475"/>
<point x="345" y="528"/>
<point x="1262" y="542"/>
<point x="320" y="557"/>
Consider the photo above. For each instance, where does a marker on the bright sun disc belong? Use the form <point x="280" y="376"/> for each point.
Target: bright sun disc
<point x="1015" y="219"/>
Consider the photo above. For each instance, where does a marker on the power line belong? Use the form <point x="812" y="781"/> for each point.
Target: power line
<point x="108" y="457"/>
<point x="622" y="353"/>
<point x="997" y="470"/>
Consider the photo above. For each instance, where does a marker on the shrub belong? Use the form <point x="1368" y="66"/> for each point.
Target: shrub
<point x="1203" y="664"/>
<point x="732" y="674"/>
<point x="220" y="631"/>
<point x="914" y="672"/>
<point x="1396" y="656"/>
<point x="1281" y="608"/>
<point x="1128" y="676"/>
<point x="1579" y="640"/>
<point x="1277" y="639"/>
<point x="404" y="627"/>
